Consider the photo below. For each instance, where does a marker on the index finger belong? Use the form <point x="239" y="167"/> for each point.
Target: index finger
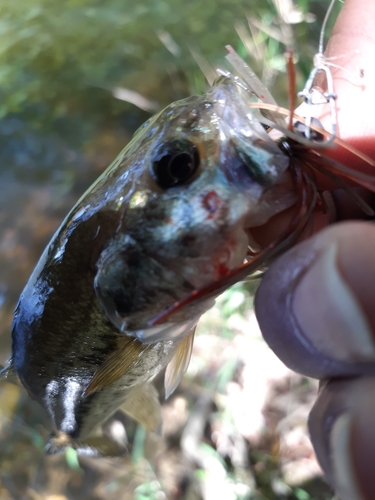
<point x="353" y="44"/>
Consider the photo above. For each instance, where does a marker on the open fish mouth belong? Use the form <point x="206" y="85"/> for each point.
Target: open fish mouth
<point x="256" y="154"/>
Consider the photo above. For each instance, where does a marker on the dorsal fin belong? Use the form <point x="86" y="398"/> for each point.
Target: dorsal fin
<point x="126" y="356"/>
<point x="178" y="364"/>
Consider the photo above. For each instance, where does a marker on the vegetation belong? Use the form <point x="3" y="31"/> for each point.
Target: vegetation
<point x="61" y="59"/>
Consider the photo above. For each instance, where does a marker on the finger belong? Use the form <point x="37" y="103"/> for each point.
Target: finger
<point x="353" y="42"/>
<point x="342" y="430"/>
<point x="315" y="304"/>
<point x="350" y="59"/>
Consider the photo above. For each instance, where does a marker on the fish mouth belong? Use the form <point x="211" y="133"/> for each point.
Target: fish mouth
<point x="253" y="246"/>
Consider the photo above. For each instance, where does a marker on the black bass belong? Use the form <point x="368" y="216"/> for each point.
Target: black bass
<point x="169" y="216"/>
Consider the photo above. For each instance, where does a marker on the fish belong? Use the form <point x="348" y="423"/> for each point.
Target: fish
<point x="172" y="215"/>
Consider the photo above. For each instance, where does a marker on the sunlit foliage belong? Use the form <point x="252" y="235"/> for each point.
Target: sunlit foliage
<point x="64" y="57"/>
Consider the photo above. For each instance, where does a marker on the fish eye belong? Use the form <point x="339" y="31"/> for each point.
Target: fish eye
<point x="175" y="163"/>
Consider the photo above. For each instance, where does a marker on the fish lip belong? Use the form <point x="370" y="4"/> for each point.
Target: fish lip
<point x="230" y="104"/>
<point x="225" y="92"/>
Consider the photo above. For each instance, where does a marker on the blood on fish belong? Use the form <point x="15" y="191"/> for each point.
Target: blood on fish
<point x="211" y="202"/>
<point x="222" y="269"/>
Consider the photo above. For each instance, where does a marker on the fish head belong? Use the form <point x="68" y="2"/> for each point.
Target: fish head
<point x="196" y="175"/>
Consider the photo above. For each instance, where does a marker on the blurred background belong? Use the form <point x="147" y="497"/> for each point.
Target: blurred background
<point x="77" y="77"/>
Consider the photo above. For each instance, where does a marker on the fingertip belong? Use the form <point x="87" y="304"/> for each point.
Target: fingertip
<point x="352" y="45"/>
<point x="315" y="304"/>
<point x="343" y="435"/>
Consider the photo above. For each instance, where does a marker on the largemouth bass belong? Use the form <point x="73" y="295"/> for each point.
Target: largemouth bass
<point x="171" y="215"/>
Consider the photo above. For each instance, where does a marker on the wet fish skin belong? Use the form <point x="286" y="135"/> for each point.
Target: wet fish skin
<point x="57" y="347"/>
<point x="130" y="248"/>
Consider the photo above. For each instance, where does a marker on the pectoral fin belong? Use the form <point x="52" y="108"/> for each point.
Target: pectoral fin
<point x="178" y="364"/>
<point x="127" y="355"/>
<point x="8" y="374"/>
<point x="143" y="406"/>
<point x="96" y="446"/>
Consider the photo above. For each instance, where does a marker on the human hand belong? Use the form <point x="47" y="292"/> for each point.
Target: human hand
<point x="316" y="304"/>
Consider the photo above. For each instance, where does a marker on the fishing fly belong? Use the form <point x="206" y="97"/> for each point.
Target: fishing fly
<point x="321" y="66"/>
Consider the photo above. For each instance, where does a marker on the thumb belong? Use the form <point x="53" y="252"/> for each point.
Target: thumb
<point x="315" y="305"/>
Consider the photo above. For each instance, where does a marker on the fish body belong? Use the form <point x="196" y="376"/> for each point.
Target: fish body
<point x="170" y="215"/>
